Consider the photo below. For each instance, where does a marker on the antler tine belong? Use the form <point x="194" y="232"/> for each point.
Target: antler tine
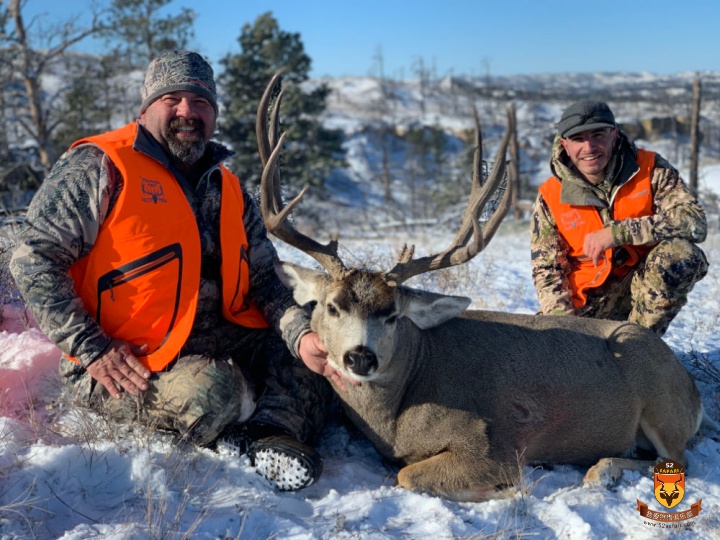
<point x="267" y="142"/>
<point x="275" y="118"/>
<point x="497" y="176"/>
<point x="488" y="190"/>
<point x="261" y="120"/>
<point x="462" y="248"/>
<point x="466" y="227"/>
<point x="274" y="213"/>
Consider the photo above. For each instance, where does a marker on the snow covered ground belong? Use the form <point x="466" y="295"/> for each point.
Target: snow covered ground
<point x="67" y="474"/>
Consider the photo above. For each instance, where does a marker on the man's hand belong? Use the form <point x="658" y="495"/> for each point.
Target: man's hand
<point x="314" y="354"/>
<point x="118" y="364"/>
<point x="596" y="243"/>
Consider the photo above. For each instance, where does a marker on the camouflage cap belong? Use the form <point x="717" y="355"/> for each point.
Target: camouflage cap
<point x="584" y="116"/>
<point x="178" y="71"/>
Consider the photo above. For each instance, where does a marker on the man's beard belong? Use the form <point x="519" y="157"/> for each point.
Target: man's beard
<point x="186" y="151"/>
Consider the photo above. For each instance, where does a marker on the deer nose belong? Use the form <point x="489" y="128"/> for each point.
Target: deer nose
<point x="361" y="361"/>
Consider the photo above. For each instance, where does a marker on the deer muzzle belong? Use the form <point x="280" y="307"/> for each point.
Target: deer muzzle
<point x="360" y="361"/>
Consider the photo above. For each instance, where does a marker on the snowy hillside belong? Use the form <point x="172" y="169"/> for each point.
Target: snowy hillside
<point x="361" y="107"/>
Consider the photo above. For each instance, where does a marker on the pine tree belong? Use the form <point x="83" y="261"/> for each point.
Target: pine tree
<point x="140" y="32"/>
<point x="310" y="151"/>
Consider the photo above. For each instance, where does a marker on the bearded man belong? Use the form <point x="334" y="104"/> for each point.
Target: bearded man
<point x="149" y="266"/>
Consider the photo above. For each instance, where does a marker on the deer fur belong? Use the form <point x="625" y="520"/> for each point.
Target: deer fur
<point x="462" y="399"/>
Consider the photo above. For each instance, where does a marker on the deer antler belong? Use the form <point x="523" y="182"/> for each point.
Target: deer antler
<point x="462" y="250"/>
<point x="274" y="213"/>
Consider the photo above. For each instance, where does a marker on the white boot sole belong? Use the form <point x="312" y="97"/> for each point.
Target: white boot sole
<point x="285" y="472"/>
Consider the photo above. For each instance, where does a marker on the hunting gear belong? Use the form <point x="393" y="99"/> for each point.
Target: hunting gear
<point x="614" y="230"/>
<point x="145" y="261"/>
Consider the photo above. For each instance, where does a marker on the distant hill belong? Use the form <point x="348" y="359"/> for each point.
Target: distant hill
<point x="653" y="109"/>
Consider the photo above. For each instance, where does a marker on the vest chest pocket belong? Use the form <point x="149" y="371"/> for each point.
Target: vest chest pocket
<point x="140" y="300"/>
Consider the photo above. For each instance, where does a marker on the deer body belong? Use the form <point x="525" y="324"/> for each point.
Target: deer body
<point x="462" y="399"/>
<point x="463" y="402"/>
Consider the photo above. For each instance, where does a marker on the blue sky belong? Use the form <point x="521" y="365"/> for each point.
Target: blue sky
<point x="465" y="36"/>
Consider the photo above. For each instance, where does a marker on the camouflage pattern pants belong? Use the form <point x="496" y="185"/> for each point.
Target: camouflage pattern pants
<point x="213" y="384"/>
<point x="653" y="293"/>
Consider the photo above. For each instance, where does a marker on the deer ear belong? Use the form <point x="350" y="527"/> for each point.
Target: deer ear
<point x="427" y="309"/>
<point x="307" y="285"/>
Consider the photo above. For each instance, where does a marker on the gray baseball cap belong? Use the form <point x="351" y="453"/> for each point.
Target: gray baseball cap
<point x="178" y="71"/>
<point x="584" y="116"/>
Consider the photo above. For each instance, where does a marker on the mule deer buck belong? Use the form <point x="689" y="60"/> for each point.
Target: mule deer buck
<point x="462" y="399"/>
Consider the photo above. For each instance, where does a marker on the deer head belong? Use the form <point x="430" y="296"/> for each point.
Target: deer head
<point x="356" y="312"/>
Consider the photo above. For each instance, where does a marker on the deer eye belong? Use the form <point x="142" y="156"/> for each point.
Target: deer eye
<point x="332" y="310"/>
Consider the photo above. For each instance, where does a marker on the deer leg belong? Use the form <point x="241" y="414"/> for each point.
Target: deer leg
<point x="460" y="478"/>
<point x="606" y="472"/>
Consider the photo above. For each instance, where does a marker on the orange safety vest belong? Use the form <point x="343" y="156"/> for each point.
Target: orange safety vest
<point x="141" y="279"/>
<point x="633" y="199"/>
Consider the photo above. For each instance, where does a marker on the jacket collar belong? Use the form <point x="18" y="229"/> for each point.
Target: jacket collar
<point x="576" y="191"/>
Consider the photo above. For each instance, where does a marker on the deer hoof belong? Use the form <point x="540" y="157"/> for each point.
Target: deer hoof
<point x="604" y="474"/>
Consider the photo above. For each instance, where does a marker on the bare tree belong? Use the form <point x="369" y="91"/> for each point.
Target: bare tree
<point x="5" y="76"/>
<point x="386" y="111"/>
<point x="423" y="78"/>
<point x="514" y="166"/>
<point x="487" y="68"/>
<point x="31" y="52"/>
<point x="695" y="135"/>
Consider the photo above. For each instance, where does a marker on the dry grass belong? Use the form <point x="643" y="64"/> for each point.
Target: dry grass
<point x="185" y="491"/>
<point x="171" y="501"/>
<point x="20" y="501"/>
<point x="175" y="485"/>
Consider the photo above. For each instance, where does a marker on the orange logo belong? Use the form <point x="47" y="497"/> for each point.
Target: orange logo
<point x="669" y="489"/>
<point x="669" y="483"/>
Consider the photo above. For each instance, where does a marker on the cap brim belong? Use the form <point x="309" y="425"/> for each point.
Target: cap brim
<point x="586" y="127"/>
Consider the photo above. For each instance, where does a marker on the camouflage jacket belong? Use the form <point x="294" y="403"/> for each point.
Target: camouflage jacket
<point x="62" y="225"/>
<point x="677" y="214"/>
